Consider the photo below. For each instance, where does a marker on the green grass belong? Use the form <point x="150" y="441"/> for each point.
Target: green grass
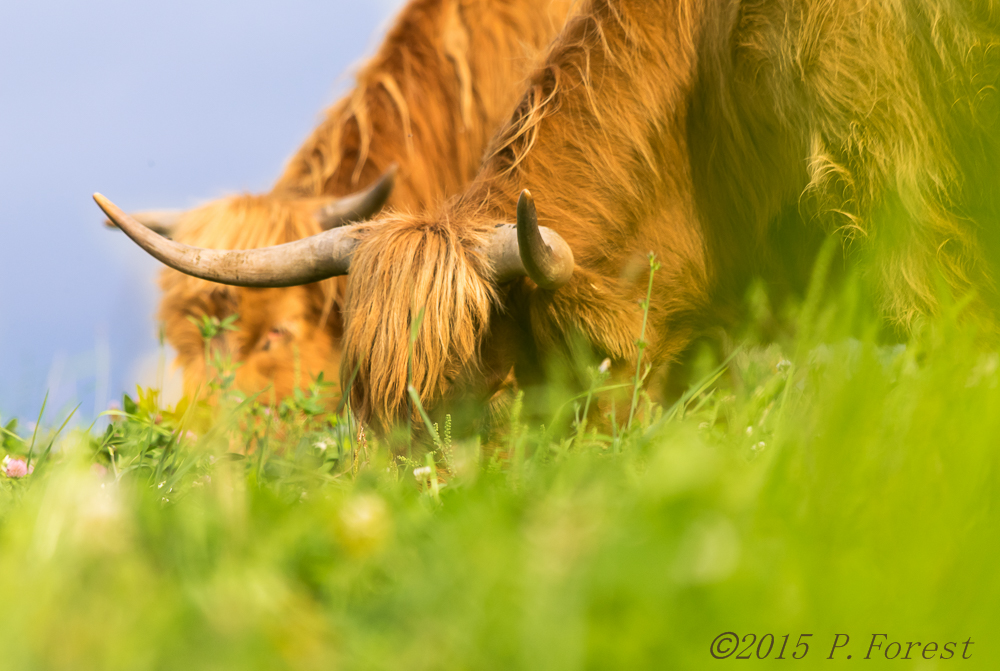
<point x="825" y="484"/>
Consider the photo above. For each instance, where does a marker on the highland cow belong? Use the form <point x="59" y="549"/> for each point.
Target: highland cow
<point x="444" y="79"/>
<point x="724" y="136"/>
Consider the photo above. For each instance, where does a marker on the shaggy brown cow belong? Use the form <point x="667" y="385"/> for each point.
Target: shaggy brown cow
<point x="706" y="131"/>
<point x="445" y="78"/>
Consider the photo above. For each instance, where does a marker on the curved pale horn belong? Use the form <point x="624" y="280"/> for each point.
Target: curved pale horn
<point x="530" y="249"/>
<point x="301" y="262"/>
<point x="163" y="222"/>
<point x="361" y="205"/>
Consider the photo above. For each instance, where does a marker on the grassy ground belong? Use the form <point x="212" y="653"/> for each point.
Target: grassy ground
<point x="823" y="487"/>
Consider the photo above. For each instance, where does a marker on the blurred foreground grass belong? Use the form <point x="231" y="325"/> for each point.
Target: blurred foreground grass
<point x="824" y="485"/>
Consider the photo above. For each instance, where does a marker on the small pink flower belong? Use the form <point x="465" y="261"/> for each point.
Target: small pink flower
<point x="99" y="470"/>
<point x="15" y="468"/>
<point x="191" y="435"/>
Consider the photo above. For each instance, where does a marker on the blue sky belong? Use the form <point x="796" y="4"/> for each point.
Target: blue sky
<point x="156" y="105"/>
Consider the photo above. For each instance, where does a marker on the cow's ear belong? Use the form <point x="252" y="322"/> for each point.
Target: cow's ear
<point x="224" y="300"/>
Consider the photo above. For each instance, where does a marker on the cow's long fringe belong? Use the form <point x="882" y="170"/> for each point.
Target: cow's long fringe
<point x="437" y="276"/>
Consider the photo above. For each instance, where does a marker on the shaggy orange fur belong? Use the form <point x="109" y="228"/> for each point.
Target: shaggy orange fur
<point x="709" y="132"/>
<point x="441" y="83"/>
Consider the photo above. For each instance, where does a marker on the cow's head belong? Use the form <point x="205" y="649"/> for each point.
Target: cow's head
<point x="447" y="274"/>
<point x="283" y="336"/>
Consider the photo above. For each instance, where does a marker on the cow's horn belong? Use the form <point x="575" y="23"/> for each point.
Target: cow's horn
<point x="361" y="205"/>
<point x="163" y="222"/>
<point x="528" y="249"/>
<point x="308" y="260"/>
